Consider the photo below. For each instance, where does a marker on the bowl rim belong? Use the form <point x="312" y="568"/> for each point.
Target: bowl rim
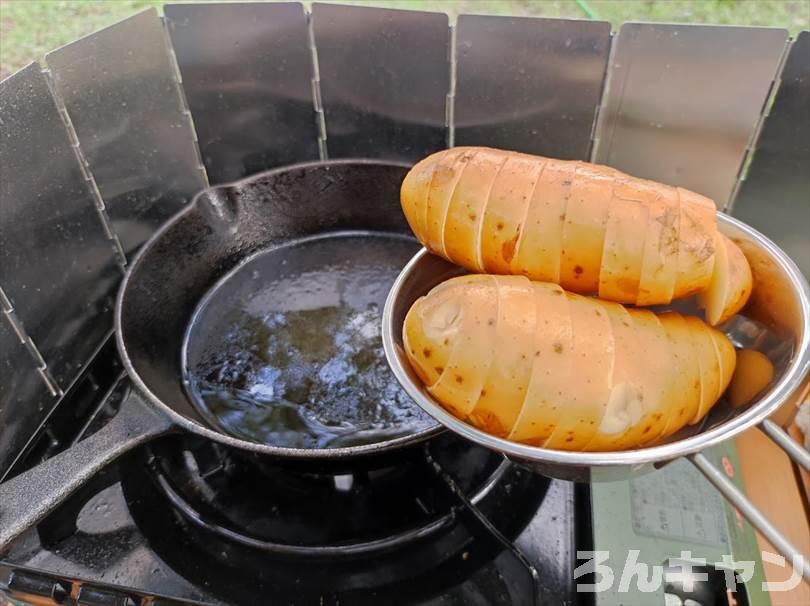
<point x="786" y="385"/>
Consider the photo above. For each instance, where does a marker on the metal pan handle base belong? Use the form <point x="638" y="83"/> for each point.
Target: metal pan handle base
<point x="27" y="498"/>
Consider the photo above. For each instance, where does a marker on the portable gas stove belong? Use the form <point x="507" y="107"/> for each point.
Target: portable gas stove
<point x="184" y="520"/>
<point x="191" y="521"/>
<point x="110" y="135"/>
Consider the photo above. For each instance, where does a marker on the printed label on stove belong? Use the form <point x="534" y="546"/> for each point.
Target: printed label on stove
<point x="680" y="508"/>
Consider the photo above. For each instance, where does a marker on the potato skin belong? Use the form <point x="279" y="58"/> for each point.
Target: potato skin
<point x="589" y="228"/>
<point x="571" y="372"/>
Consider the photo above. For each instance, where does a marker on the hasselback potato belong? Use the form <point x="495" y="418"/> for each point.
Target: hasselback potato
<point x="589" y="228"/>
<point x="532" y="363"/>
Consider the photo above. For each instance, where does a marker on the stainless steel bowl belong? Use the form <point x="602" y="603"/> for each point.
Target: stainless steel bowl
<point x="776" y="321"/>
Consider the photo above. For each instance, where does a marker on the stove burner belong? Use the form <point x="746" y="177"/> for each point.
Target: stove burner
<point x="293" y="513"/>
<point x="447" y="505"/>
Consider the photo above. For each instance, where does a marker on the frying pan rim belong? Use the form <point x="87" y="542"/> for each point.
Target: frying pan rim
<point x="183" y="422"/>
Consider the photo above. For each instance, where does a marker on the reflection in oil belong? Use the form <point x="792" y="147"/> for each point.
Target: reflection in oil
<point x="287" y="351"/>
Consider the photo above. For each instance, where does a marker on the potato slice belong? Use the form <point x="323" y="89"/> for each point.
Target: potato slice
<point x="754" y="373"/>
<point x="593" y="353"/>
<point x="583" y="236"/>
<point x="713" y="298"/>
<point x="656" y="379"/>
<point x="473" y="350"/>
<point x="430" y="326"/>
<point x="730" y="285"/>
<point x="696" y="246"/>
<point x="625" y="238"/>
<point x="505" y="387"/>
<point x="709" y="366"/>
<point x="506" y="211"/>
<point x="552" y="372"/>
<point x="465" y="213"/>
<point x="687" y="386"/>
<point x="414" y="191"/>
<point x="540" y="243"/>
<point x="445" y="179"/>
<point x="625" y="405"/>
<point x="726" y="356"/>
<point x="740" y="281"/>
<point x="660" y="260"/>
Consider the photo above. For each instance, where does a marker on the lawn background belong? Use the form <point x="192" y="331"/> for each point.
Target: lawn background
<point x="30" y="28"/>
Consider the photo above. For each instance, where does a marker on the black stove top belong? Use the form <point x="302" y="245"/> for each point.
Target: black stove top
<point x="184" y="519"/>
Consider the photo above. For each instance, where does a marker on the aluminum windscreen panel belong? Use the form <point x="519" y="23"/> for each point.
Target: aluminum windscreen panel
<point x="531" y="85"/>
<point x="384" y="80"/>
<point x="247" y="74"/>
<point x="57" y="265"/>
<point x="683" y="101"/>
<point x="775" y="196"/>
<point x="24" y="397"/>
<point x="120" y="90"/>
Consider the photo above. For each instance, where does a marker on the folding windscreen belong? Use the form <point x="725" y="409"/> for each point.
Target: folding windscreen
<point x="532" y="85"/>
<point x="683" y="101"/>
<point x="58" y="268"/>
<point x="384" y="80"/>
<point x="120" y="91"/>
<point x="248" y="76"/>
<point x="775" y="195"/>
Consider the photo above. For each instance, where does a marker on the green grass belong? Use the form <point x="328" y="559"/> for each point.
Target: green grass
<point x="30" y="28"/>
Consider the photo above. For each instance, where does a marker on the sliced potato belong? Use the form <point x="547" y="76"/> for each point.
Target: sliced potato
<point x="593" y="353"/>
<point x="445" y="178"/>
<point x="583" y="235"/>
<point x="710" y="374"/>
<point x="431" y="324"/>
<point x="430" y="327"/>
<point x="687" y="385"/>
<point x="414" y="191"/>
<point x="625" y="403"/>
<point x="754" y="373"/>
<point x="552" y="368"/>
<point x="713" y="298"/>
<point x="731" y="283"/>
<point x="740" y="281"/>
<point x="506" y="210"/>
<point x="696" y="248"/>
<point x="465" y="213"/>
<point x="540" y="241"/>
<point x="660" y="260"/>
<point x="656" y="379"/>
<point x="726" y="356"/>
<point x="624" y="250"/>
<point x="473" y="350"/>
<point x="532" y="363"/>
<point x="504" y="390"/>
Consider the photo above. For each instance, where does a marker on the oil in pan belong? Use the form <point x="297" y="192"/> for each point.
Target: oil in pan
<point x="286" y="349"/>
